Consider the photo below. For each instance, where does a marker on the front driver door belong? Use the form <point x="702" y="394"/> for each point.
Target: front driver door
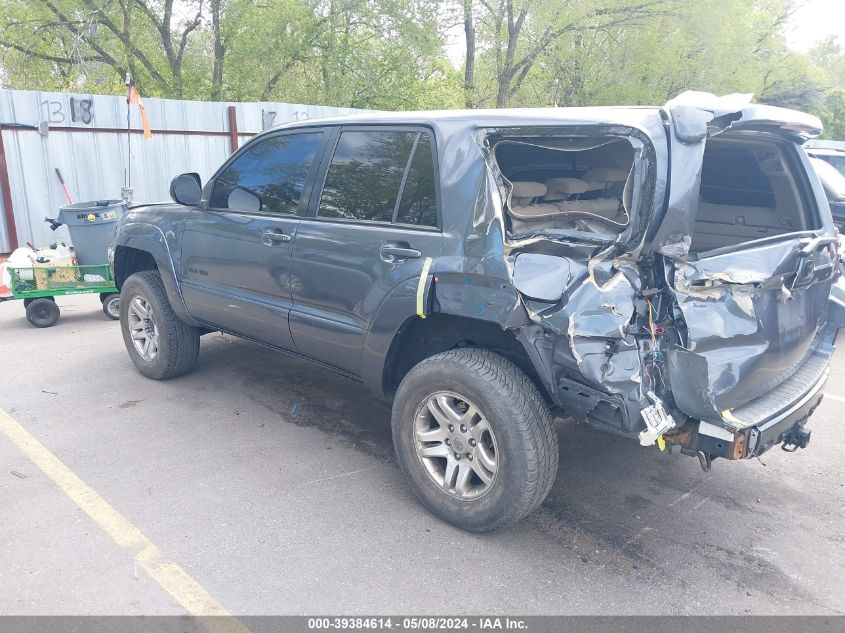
<point x="236" y="248"/>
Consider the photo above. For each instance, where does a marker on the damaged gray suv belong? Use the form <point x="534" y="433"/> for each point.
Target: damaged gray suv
<point x="664" y="274"/>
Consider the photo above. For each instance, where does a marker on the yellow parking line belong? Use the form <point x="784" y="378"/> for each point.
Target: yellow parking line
<point x="169" y="576"/>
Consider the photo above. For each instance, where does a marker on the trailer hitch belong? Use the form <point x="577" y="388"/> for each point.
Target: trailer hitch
<point x="704" y="459"/>
<point x="797" y="438"/>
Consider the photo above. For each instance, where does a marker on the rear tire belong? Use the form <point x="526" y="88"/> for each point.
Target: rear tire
<point x="43" y="312"/>
<point x="512" y="462"/>
<point x="111" y="305"/>
<point x="160" y="344"/>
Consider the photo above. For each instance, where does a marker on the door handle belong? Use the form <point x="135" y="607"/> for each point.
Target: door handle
<point x="274" y="237"/>
<point x="394" y="252"/>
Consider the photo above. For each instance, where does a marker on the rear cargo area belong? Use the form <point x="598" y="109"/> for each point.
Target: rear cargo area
<point x="751" y="188"/>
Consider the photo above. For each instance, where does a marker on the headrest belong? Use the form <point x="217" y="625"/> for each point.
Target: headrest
<point x="567" y="186"/>
<point x="605" y="175"/>
<point x="527" y="189"/>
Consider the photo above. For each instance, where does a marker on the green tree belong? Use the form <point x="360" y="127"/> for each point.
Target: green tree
<point x="506" y="39"/>
<point x="363" y="53"/>
<point x="390" y="54"/>
<point x="830" y="57"/>
<point x="709" y="45"/>
<point x="73" y="44"/>
<point x="832" y="114"/>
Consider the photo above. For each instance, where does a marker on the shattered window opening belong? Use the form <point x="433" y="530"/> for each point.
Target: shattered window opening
<point x="561" y="186"/>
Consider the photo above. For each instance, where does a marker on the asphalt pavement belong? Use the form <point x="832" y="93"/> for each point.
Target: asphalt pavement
<point x="270" y="484"/>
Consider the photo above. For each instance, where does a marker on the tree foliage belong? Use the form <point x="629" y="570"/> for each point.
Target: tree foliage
<point x="400" y="54"/>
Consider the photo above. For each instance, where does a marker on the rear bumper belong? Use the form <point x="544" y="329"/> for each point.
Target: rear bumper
<point x="773" y="418"/>
<point x="777" y="430"/>
<point x="755" y="439"/>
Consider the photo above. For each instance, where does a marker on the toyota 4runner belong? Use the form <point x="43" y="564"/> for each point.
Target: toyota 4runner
<point x="664" y="274"/>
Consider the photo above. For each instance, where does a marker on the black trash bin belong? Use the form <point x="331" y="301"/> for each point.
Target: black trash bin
<point x="91" y="226"/>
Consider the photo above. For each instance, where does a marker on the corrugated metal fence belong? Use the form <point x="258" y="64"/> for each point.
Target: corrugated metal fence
<point x="85" y="137"/>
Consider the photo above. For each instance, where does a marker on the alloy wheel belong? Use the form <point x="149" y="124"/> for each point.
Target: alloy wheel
<point x="143" y="328"/>
<point x="456" y="446"/>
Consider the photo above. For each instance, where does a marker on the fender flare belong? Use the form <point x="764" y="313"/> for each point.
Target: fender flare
<point x="149" y="238"/>
<point x="400" y="308"/>
<point x="394" y="312"/>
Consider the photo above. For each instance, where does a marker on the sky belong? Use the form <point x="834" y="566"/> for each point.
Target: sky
<point x="815" y="20"/>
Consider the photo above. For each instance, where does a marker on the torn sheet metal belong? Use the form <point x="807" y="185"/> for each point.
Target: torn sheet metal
<point x="693" y="117"/>
<point x="734" y="322"/>
<point x="699" y="114"/>
<point x="544" y="277"/>
<point x="603" y="311"/>
<point x="748" y="266"/>
<point x="599" y="306"/>
<point x="718" y="313"/>
<point x="593" y="319"/>
<point x="751" y="317"/>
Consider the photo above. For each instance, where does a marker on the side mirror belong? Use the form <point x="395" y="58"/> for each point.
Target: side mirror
<point x="186" y="189"/>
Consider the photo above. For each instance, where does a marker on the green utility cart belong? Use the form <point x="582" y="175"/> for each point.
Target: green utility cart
<point x="40" y="284"/>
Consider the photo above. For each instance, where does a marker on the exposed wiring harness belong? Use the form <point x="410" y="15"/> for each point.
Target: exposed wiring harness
<point x="651" y="363"/>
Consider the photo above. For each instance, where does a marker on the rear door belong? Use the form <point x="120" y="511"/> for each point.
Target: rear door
<point x="371" y="226"/>
<point x="236" y="249"/>
<point x="749" y="254"/>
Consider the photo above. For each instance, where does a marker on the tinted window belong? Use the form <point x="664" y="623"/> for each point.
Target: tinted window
<point x="365" y="175"/>
<point x="733" y="177"/>
<point x="418" y="204"/>
<point x="268" y="176"/>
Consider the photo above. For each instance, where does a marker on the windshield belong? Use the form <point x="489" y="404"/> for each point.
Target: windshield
<point x="832" y="180"/>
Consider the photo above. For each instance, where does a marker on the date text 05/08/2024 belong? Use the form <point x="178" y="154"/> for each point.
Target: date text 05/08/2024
<point x="421" y="623"/>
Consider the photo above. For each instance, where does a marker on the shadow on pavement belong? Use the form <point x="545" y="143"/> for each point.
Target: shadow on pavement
<point x="614" y="503"/>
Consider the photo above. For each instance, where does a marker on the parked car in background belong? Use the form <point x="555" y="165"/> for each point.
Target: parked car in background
<point x="834" y="156"/>
<point x="833" y="182"/>
<point x="662" y="274"/>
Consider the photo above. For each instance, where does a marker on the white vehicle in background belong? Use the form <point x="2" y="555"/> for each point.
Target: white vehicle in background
<point x="832" y="152"/>
<point x="833" y="182"/>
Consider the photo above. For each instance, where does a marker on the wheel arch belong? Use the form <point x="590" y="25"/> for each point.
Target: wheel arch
<point x="128" y="261"/>
<point x="418" y="339"/>
<point x="141" y="246"/>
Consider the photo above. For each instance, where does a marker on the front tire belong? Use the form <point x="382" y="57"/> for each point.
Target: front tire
<point x="160" y="344"/>
<point x="475" y="438"/>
